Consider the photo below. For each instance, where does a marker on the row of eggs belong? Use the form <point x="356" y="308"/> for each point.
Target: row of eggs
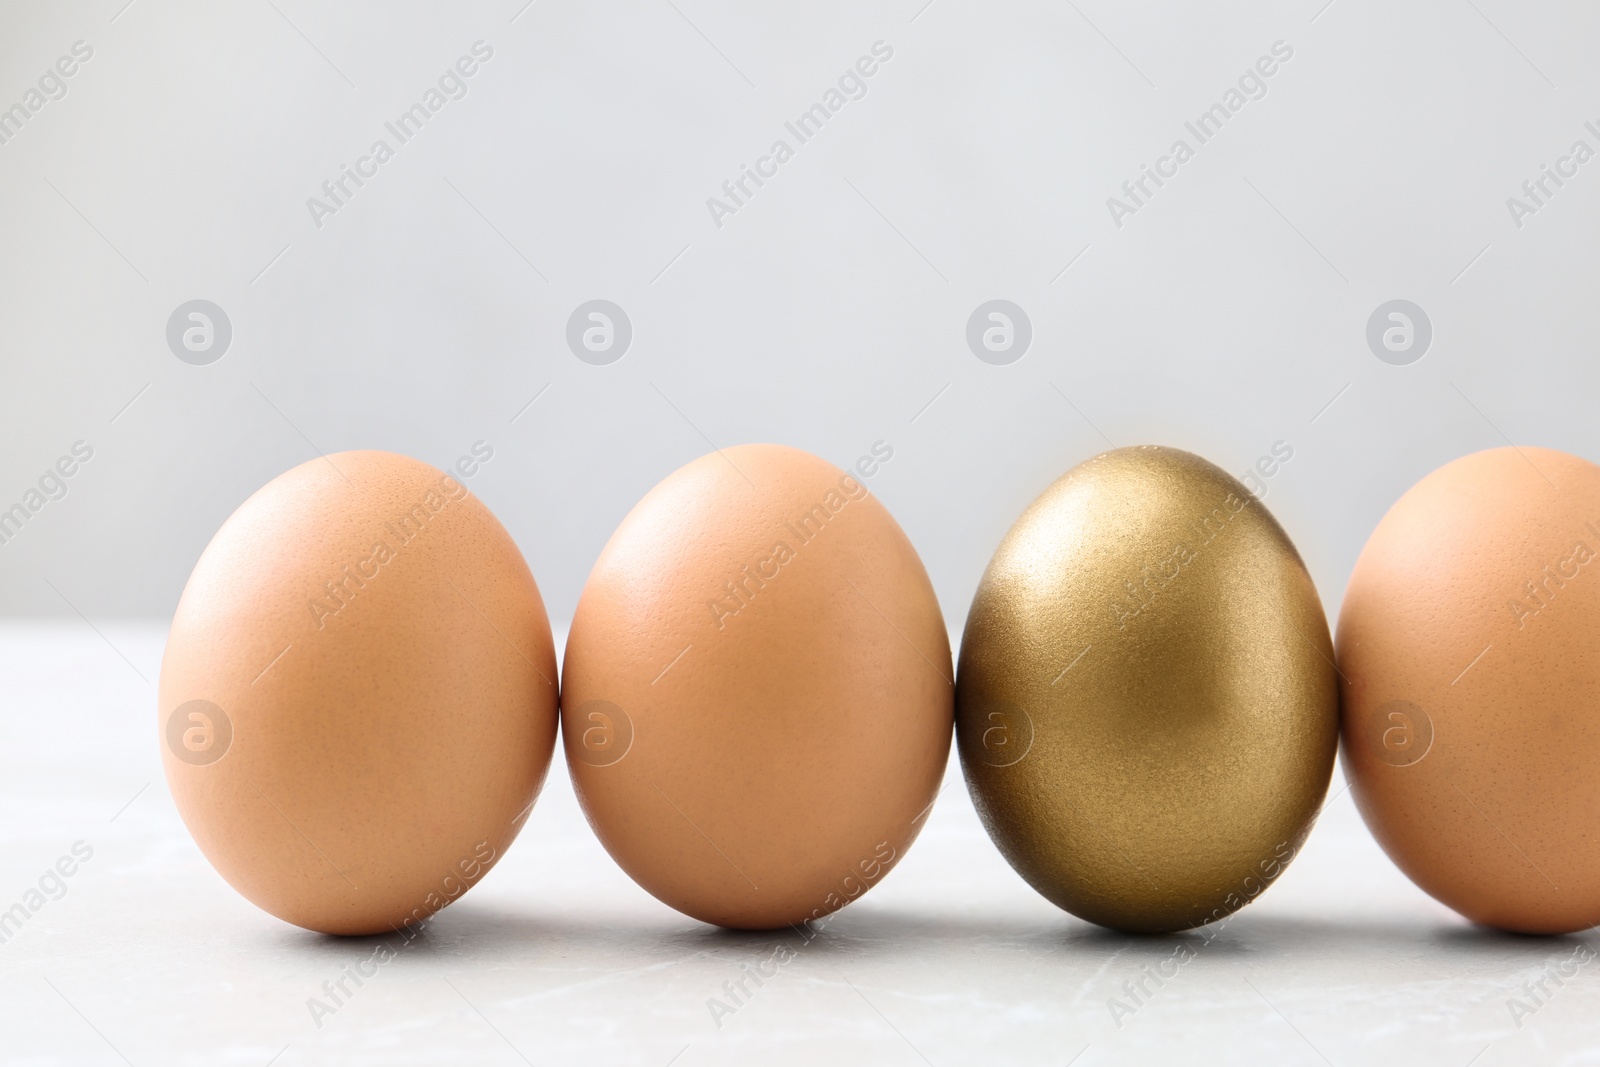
<point x="359" y="698"/>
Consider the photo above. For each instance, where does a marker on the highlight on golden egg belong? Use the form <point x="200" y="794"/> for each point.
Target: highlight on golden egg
<point x="757" y="693"/>
<point x="358" y="698"/>
<point x="1471" y="711"/>
<point x="1146" y="702"/>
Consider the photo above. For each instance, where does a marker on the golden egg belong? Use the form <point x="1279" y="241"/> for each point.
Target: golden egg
<point x="1146" y="702"/>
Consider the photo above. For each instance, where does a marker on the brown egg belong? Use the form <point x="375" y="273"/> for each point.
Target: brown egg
<point x="756" y="698"/>
<point x="1471" y="685"/>
<point x="358" y="700"/>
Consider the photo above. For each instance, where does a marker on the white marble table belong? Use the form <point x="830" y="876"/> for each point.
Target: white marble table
<point x="148" y="957"/>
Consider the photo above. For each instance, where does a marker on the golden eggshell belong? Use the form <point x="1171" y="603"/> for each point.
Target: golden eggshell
<point x="1146" y="704"/>
<point x="1471" y="719"/>
<point x="756" y="697"/>
<point x="357" y="701"/>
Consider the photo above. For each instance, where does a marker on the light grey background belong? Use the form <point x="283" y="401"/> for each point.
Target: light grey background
<point x="829" y="311"/>
<point x="1228" y="314"/>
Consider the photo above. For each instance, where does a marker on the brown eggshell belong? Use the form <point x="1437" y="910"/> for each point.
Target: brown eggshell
<point x="757" y="700"/>
<point x="358" y="700"/>
<point x="1469" y="642"/>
